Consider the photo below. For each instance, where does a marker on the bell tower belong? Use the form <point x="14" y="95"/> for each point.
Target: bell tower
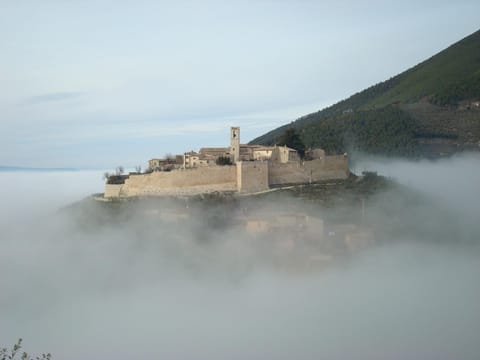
<point x="235" y="143"/>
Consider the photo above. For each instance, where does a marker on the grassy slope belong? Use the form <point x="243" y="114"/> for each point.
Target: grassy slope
<point x="449" y="76"/>
<point x="458" y="63"/>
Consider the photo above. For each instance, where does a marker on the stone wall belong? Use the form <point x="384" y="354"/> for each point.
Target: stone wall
<point x="112" y="190"/>
<point x="182" y="182"/>
<point x="325" y="168"/>
<point x="246" y="177"/>
<point x="252" y="176"/>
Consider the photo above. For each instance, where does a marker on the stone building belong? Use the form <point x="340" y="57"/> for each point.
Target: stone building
<point x="166" y="164"/>
<point x="283" y="154"/>
<point x="285" y="223"/>
<point x="193" y="159"/>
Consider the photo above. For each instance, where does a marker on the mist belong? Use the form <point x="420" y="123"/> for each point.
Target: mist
<point x="83" y="279"/>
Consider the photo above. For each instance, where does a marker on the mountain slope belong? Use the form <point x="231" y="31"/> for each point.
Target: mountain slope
<point x="442" y="87"/>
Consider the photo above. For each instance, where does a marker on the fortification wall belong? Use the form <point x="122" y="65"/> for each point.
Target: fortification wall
<point x="182" y="182"/>
<point x="246" y="177"/>
<point x="112" y="190"/>
<point x="325" y="168"/>
<point x="252" y="176"/>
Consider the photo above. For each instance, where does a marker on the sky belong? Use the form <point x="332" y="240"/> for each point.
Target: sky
<point x="98" y="84"/>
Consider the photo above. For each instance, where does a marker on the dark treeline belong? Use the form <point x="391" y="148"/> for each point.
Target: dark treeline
<point x="388" y="131"/>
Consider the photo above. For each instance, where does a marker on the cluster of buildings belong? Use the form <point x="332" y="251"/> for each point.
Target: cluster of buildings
<point x="237" y="168"/>
<point x="211" y="156"/>
<point x="249" y="169"/>
<point x="281" y="234"/>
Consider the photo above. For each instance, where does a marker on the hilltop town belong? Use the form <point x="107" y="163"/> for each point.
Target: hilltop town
<point x="238" y="168"/>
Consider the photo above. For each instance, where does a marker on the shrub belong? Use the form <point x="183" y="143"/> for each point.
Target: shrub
<point x="6" y="354"/>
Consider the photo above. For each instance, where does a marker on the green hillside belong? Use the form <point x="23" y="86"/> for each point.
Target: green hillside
<point x="396" y="116"/>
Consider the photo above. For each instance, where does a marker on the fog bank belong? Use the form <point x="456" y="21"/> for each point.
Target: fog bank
<point x="100" y="283"/>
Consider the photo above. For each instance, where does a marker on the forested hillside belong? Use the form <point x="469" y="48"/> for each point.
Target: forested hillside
<point x="435" y="102"/>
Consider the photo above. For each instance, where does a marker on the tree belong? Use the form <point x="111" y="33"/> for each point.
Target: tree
<point x="169" y="157"/>
<point x="223" y="160"/>
<point x="292" y="139"/>
<point x="119" y="170"/>
<point x="6" y="354"/>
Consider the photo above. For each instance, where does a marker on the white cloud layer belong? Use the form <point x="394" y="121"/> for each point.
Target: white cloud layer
<point x="137" y="289"/>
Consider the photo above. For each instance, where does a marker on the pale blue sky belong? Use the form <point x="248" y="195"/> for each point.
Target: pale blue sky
<point x="102" y="83"/>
